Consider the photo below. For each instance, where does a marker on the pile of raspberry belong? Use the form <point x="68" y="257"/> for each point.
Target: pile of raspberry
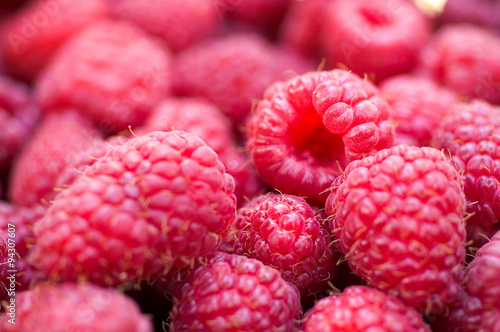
<point x="265" y="165"/>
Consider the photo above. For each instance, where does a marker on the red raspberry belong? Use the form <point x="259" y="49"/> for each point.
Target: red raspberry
<point x="480" y="311"/>
<point x="391" y="32"/>
<point x="283" y="231"/>
<point x="267" y="13"/>
<point x="479" y="12"/>
<point x="33" y="35"/>
<point x="235" y="293"/>
<point x="57" y="141"/>
<point x="465" y="58"/>
<point x="178" y="23"/>
<point x="399" y="219"/>
<point x="156" y="202"/>
<point x="307" y="128"/>
<point x="470" y="134"/>
<point x="133" y="72"/>
<point x="230" y="71"/>
<point x="418" y="105"/>
<point x="75" y="307"/>
<point x="191" y="115"/>
<point x="359" y="309"/>
<point x="18" y="116"/>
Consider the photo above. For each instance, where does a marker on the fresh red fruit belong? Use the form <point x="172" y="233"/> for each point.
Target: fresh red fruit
<point x="306" y="129"/>
<point x="155" y="203"/>
<point x="267" y="13"/>
<point x="398" y="216"/>
<point x="18" y="116"/>
<point x="418" y="105"/>
<point x="57" y="141"/>
<point x="464" y="58"/>
<point x="75" y="307"/>
<point x="380" y="38"/>
<point x="284" y="232"/>
<point x="360" y="309"/>
<point x="206" y="121"/>
<point x="470" y="135"/>
<point x="33" y="35"/>
<point x="478" y="12"/>
<point x="231" y="71"/>
<point x="235" y="293"/>
<point x="111" y="71"/>
<point x="178" y="23"/>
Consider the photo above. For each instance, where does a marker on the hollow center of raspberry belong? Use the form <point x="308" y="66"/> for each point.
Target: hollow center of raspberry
<point x="375" y="17"/>
<point x="314" y="143"/>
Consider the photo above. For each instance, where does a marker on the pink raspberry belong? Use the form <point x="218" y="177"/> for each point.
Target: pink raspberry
<point x="231" y="71"/>
<point x="57" y="140"/>
<point x="470" y="135"/>
<point x="380" y="38"/>
<point x="284" y="232"/>
<point x="307" y="128"/>
<point x="191" y="115"/>
<point x="360" y="309"/>
<point x="399" y="219"/>
<point x="18" y="116"/>
<point x="418" y="105"/>
<point x="480" y="310"/>
<point x="33" y="35"/>
<point x="235" y="293"/>
<point x="152" y="204"/>
<point x="178" y="23"/>
<point x="75" y="307"/>
<point x="464" y="58"/>
<point x="118" y="71"/>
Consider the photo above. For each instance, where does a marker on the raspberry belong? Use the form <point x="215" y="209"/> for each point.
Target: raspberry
<point x="464" y="58"/>
<point x="235" y="293"/>
<point x="469" y="133"/>
<point x="230" y="71"/>
<point x="178" y="23"/>
<point x="479" y="12"/>
<point x="152" y="204"/>
<point x="418" y="105"/>
<point x="75" y="307"/>
<point x="399" y="219"/>
<point x="191" y="114"/>
<point x="480" y="310"/>
<point x="33" y="35"/>
<point x="283" y="231"/>
<point x="360" y="308"/>
<point x="57" y="140"/>
<point x="391" y="32"/>
<point x="18" y="116"/>
<point x="133" y="71"/>
<point x="267" y="13"/>
<point x="307" y="128"/>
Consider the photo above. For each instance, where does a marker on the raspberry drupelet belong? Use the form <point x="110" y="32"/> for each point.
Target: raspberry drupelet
<point x="305" y="130"/>
<point x="151" y="205"/>
<point x="234" y="293"/>
<point x="284" y="232"/>
<point x="398" y="216"/>
<point x="360" y="309"/>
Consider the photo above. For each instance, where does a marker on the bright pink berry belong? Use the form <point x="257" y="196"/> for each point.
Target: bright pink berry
<point x="284" y="232"/>
<point x="380" y="38"/>
<point x="470" y="135"/>
<point x="360" y="309"/>
<point x="235" y="293"/>
<point x="33" y="35"/>
<point x="58" y="140"/>
<point x="75" y="307"/>
<point x="203" y="119"/>
<point x="178" y="23"/>
<point x="306" y="129"/>
<point x="418" y="105"/>
<point x="464" y="58"/>
<point x="398" y="216"/>
<point x="152" y="204"/>
<point x="111" y="71"/>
